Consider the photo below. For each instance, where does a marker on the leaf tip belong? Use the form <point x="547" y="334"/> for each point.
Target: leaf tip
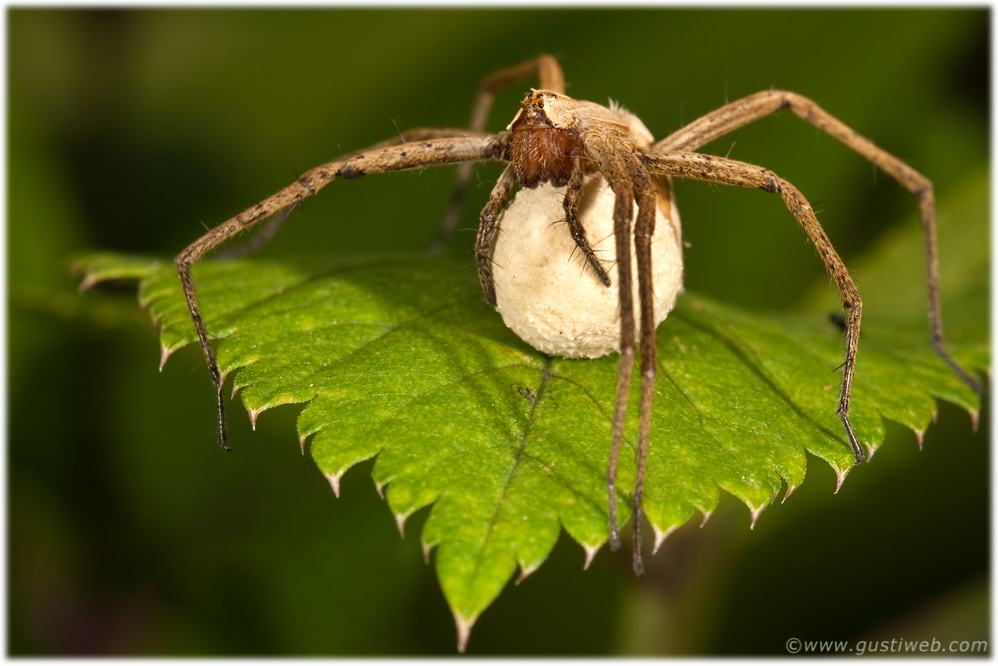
<point x="463" y="630"/>
<point x="590" y="554"/>
<point x="334" y="481"/>
<point x="301" y="443"/>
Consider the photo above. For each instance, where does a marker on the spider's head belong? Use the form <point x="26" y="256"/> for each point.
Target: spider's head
<point x="545" y="141"/>
<point x="543" y="108"/>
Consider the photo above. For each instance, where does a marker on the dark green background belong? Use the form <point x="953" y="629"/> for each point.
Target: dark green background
<point x="130" y="533"/>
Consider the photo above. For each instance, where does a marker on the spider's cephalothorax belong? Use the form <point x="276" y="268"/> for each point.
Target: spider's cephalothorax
<point x="555" y="141"/>
<point x="550" y="132"/>
<point x="541" y="150"/>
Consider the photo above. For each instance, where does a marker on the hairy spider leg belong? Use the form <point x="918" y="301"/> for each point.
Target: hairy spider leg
<point x="573" y="197"/>
<point x="644" y="228"/>
<point x="274" y="224"/>
<point x="261" y="238"/>
<point x="730" y="172"/>
<point x="614" y="169"/>
<point x="413" y="155"/>
<point x="749" y="109"/>
<point x="630" y="183"/>
<point x="486" y="231"/>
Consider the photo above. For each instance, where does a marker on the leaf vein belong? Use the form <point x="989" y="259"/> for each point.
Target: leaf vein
<point x="516" y="464"/>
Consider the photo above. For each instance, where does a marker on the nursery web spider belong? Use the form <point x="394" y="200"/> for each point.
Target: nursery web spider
<point x="555" y="139"/>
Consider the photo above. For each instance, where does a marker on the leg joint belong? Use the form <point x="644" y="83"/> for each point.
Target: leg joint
<point x="349" y="172"/>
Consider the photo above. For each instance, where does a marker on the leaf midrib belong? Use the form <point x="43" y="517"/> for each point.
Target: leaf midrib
<point x="545" y="375"/>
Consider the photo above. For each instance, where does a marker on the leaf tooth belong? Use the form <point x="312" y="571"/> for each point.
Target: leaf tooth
<point x="400" y="522"/>
<point x="974" y="418"/>
<point x="464" y="626"/>
<point x="756" y="512"/>
<point x="841" y="474"/>
<point x="706" y="517"/>
<point x="87" y="282"/>
<point x="164" y="353"/>
<point x="524" y="572"/>
<point x="380" y="488"/>
<point x="920" y="436"/>
<point x="790" y="491"/>
<point x="660" y="536"/>
<point x="253" y="413"/>
<point x="334" y="481"/>
<point x="426" y="550"/>
<point x="145" y="302"/>
<point x="301" y="442"/>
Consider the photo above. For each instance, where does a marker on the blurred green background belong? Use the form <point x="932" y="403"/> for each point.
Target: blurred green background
<point x="129" y="532"/>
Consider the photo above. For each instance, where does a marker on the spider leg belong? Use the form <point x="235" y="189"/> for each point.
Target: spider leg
<point x="546" y="68"/>
<point x="486" y="231"/>
<point x="729" y="172"/>
<point x="420" y="154"/>
<point x="614" y="169"/>
<point x="262" y="237"/>
<point x="746" y="110"/>
<point x="275" y="223"/>
<point x="423" y="134"/>
<point x="644" y="229"/>
<point x="573" y="195"/>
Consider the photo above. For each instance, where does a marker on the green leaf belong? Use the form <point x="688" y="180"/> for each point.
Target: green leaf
<point x="399" y="357"/>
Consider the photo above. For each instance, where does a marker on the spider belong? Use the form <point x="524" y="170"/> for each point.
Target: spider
<point x="557" y="141"/>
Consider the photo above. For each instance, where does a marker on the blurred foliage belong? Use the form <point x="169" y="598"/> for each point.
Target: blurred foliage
<point x="129" y="533"/>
